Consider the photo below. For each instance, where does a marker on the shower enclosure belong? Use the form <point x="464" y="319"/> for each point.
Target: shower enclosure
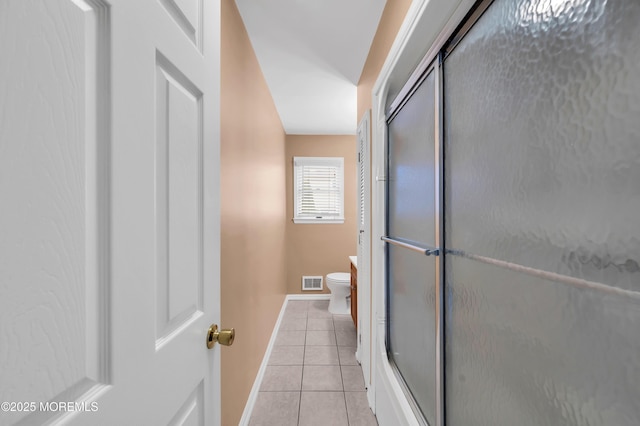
<point x="513" y="219"/>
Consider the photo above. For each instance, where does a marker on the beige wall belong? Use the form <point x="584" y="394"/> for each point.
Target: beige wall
<point x="252" y="213"/>
<point x="390" y="22"/>
<point x="319" y="249"/>
<point x="264" y="254"/>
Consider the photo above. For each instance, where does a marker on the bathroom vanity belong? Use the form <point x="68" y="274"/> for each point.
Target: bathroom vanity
<point x="354" y="289"/>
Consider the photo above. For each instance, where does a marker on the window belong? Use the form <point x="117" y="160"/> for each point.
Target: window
<point x="318" y="190"/>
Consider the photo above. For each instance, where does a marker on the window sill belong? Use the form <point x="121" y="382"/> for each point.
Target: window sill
<point x="319" y="221"/>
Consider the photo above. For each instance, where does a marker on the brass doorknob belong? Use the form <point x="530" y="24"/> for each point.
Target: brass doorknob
<point x="224" y="337"/>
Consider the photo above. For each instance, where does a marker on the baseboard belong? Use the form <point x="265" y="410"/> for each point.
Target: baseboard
<point x="253" y="395"/>
<point x="317" y="296"/>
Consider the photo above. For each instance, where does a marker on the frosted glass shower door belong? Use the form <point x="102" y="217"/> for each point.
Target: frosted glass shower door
<point x="542" y="196"/>
<point x="411" y="275"/>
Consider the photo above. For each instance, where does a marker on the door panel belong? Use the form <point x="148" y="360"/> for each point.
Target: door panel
<point x="109" y="226"/>
<point x="411" y="276"/>
<point x="412" y="328"/>
<point x="412" y="167"/>
<point x="544" y="164"/>
<point x="179" y="198"/>
<point x="525" y="348"/>
<point x="542" y="168"/>
<point x="187" y="14"/>
<point x="53" y="257"/>
<point x="192" y="411"/>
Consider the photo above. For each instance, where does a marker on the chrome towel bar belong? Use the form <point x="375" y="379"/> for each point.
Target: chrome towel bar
<point x="429" y="251"/>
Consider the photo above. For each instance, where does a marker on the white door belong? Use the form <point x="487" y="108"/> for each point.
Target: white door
<point x="109" y="218"/>
<point x="364" y="234"/>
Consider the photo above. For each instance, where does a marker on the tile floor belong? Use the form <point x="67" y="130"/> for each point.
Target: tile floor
<point x="312" y="377"/>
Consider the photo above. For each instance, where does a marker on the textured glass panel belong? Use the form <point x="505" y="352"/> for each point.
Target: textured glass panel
<point x="543" y="137"/>
<point x="411" y="167"/>
<point x="412" y="323"/>
<point x="527" y="351"/>
<point x="542" y="163"/>
<point x="411" y="216"/>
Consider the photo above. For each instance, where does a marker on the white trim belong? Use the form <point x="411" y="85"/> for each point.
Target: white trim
<point x="393" y="58"/>
<point x="253" y="395"/>
<point x="320" y="221"/>
<point x="308" y="297"/>
<point x="363" y="267"/>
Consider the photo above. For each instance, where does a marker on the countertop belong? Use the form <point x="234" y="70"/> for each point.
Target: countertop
<point x="354" y="260"/>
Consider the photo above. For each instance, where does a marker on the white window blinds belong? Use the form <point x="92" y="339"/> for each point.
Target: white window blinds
<point x="318" y="189"/>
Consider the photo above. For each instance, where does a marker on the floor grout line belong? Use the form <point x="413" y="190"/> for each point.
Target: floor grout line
<point x="344" y="396"/>
<point x="303" y="364"/>
<point x="304" y="353"/>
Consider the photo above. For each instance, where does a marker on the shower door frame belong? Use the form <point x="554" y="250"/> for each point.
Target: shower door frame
<point x="411" y="87"/>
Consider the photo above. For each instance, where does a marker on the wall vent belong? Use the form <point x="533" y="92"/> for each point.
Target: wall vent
<point x="311" y="283"/>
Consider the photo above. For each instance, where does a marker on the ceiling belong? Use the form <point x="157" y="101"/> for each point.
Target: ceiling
<point x="312" y="53"/>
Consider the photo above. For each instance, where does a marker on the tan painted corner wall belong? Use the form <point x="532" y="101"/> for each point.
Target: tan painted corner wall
<point x="390" y="22"/>
<point x="253" y="274"/>
<point x="319" y="249"/>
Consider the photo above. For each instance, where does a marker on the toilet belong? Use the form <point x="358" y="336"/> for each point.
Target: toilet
<point x="339" y="284"/>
